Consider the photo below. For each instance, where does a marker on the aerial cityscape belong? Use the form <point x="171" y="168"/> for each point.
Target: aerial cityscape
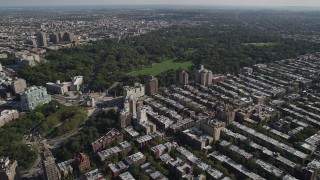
<point x="139" y="90"/>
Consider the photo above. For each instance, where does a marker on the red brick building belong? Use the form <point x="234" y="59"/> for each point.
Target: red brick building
<point x="112" y="136"/>
<point x="82" y="162"/>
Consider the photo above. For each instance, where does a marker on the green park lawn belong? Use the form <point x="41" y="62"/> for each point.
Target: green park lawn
<point x="190" y="51"/>
<point x="164" y="66"/>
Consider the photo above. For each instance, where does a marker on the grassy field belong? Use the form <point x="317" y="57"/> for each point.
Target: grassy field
<point x="260" y="44"/>
<point x="190" y="51"/>
<point x="164" y="66"/>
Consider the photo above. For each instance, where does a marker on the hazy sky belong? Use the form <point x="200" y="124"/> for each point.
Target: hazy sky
<point x="182" y="2"/>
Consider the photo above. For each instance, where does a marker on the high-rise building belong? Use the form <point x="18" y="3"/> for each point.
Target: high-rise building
<point x="61" y="36"/>
<point x="184" y="78"/>
<point x="124" y="118"/>
<point x="210" y="127"/>
<point x="67" y="36"/>
<point x="130" y="104"/>
<point x="42" y="39"/>
<point x="142" y="115"/>
<point x="32" y="41"/>
<point x="204" y="76"/>
<point x="54" y="37"/>
<point x="50" y="168"/>
<point x="8" y="169"/>
<point x="152" y="86"/>
<point x="226" y="114"/>
<point x="34" y="96"/>
<point x="19" y="85"/>
<point x="70" y="37"/>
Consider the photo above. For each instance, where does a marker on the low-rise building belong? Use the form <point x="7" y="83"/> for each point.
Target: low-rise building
<point x="126" y="176"/>
<point x="160" y="149"/>
<point x="117" y="169"/>
<point x="61" y="88"/>
<point x="312" y="170"/>
<point x="7" y="116"/>
<point x="25" y="58"/>
<point x="131" y="131"/>
<point x="137" y="159"/>
<point x="144" y="140"/>
<point x="19" y="85"/>
<point x="196" y="138"/>
<point x="124" y="146"/>
<point x="82" y="162"/>
<point x="112" y="136"/>
<point x="152" y="172"/>
<point x="66" y="167"/>
<point x="137" y="91"/>
<point x="94" y="175"/>
<point x="181" y="125"/>
<point x="8" y="169"/>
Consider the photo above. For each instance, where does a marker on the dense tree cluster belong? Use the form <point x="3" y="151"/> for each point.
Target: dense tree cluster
<point x="94" y="129"/>
<point x="221" y="49"/>
<point x="12" y="134"/>
<point x="63" y="121"/>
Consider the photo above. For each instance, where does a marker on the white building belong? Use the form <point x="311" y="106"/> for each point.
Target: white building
<point x="34" y="96"/>
<point x="7" y="116"/>
<point x="61" y="88"/>
<point x="137" y="91"/>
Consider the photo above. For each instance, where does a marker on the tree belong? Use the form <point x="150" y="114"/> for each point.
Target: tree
<point x="38" y="116"/>
<point x="134" y="170"/>
<point x="197" y="171"/>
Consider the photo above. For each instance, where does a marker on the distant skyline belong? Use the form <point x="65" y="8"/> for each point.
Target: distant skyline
<point x="23" y="3"/>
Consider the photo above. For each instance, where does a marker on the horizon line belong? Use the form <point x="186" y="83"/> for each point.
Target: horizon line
<point x="160" y="4"/>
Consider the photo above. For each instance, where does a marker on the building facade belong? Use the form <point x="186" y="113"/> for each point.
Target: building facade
<point x="137" y="91"/>
<point x="34" y="96"/>
<point x="152" y="86"/>
<point x="8" y="169"/>
<point x="19" y="85"/>
<point x="210" y="127"/>
<point x="82" y="162"/>
<point x="204" y="76"/>
<point x="112" y="136"/>
<point x="184" y="78"/>
<point x="61" y="88"/>
<point x="51" y="171"/>
<point x="42" y="39"/>
<point x="54" y="37"/>
<point x="7" y="116"/>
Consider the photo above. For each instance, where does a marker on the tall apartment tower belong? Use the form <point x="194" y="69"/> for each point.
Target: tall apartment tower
<point x="70" y="37"/>
<point x="54" y="37"/>
<point x="184" y="78"/>
<point x="152" y="86"/>
<point x="204" y="76"/>
<point x="42" y="39"/>
<point x="19" y="85"/>
<point x="8" y="169"/>
<point x="61" y="36"/>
